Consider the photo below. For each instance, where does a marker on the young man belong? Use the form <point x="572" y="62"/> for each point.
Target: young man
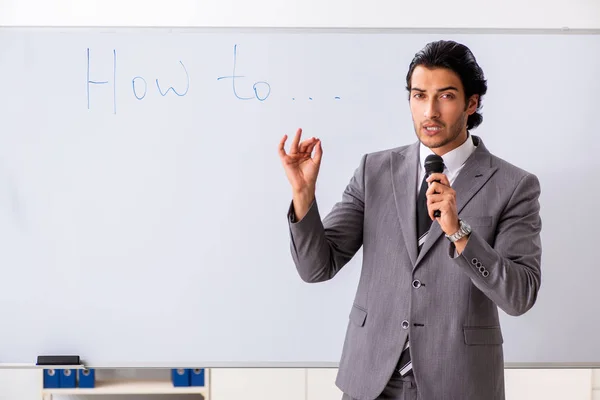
<point x="424" y="323"/>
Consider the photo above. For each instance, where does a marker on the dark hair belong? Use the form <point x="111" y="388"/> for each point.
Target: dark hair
<point x="458" y="58"/>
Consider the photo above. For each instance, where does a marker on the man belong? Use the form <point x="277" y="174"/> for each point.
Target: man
<point x="424" y="323"/>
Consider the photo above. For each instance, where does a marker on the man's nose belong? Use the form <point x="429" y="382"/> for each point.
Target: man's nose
<point x="432" y="110"/>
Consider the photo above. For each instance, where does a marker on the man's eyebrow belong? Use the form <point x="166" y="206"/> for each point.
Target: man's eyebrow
<point x="439" y="90"/>
<point x="447" y="88"/>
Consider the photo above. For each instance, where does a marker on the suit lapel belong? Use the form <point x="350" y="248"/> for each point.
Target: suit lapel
<point x="475" y="173"/>
<point x="404" y="166"/>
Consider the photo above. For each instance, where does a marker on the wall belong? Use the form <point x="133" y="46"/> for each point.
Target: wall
<point x="313" y="384"/>
<point x="580" y="14"/>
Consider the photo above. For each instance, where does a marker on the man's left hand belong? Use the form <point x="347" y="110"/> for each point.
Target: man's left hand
<point x="441" y="196"/>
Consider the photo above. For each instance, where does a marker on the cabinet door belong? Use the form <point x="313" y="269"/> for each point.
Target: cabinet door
<point x="258" y="383"/>
<point x="321" y="384"/>
<point x="548" y="384"/>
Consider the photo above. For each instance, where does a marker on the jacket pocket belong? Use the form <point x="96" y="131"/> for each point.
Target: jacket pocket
<point x="477" y="220"/>
<point x="482" y="335"/>
<point x="358" y="315"/>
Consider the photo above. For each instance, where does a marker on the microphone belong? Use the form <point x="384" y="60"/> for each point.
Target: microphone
<point x="434" y="163"/>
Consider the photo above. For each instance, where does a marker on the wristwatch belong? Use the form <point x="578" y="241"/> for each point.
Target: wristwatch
<point x="463" y="231"/>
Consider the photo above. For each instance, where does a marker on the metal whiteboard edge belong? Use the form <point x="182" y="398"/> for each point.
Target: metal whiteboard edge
<point x="173" y="365"/>
<point x="310" y="30"/>
<point x="250" y="365"/>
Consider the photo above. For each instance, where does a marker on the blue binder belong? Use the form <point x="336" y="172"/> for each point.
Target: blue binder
<point x="51" y="380"/>
<point x="180" y="377"/>
<point x="87" y="378"/>
<point x="68" y="378"/>
<point x="197" y="378"/>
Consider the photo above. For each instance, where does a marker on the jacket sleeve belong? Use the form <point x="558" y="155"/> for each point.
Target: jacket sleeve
<point x="509" y="272"/>
<point x="321" y="248"/>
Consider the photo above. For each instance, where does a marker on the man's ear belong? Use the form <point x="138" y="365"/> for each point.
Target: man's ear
<point x="472" y="104"/>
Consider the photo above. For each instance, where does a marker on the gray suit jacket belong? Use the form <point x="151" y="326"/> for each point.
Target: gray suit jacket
<point x="455" y="334"/>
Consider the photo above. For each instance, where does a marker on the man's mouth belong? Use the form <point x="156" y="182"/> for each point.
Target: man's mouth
<point x="432" y="129"/>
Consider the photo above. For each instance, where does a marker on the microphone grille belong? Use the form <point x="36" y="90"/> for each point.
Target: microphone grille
<point x="434" y="163"/>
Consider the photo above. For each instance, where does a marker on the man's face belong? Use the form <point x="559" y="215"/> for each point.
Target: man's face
<point x="439" y="112"/>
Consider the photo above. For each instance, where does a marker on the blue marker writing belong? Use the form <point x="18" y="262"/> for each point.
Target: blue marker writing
<point x="171" y="88"/>
<point x="267" y="88"/>
<point x="91" y="82"/>
<point x="265" y="85"/>
<point x="135" y="90"/>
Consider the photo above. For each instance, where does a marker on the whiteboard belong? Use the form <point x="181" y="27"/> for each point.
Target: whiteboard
<point x="143" y="205"/>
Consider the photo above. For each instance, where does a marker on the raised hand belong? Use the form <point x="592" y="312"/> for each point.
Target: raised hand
<point x="301" y="168"/>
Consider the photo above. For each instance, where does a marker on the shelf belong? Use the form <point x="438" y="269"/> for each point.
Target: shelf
<point x="35" y="366"/>
<point x="130" y="387"/>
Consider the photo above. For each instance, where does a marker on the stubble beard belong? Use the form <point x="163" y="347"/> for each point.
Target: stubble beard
<point x="455" y="130"/>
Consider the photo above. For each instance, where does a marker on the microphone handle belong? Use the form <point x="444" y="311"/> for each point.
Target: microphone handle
<point x="437" y="213"/>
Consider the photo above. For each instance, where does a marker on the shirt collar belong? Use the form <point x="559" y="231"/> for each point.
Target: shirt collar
<point x="454" y="159"/>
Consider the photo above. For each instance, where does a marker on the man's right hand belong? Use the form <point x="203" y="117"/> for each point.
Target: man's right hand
<point x="301" y="169"/>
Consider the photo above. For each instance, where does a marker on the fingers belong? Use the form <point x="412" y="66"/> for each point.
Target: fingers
<point x="307" y="145"/>
<point x="314" y="144"/>
<point x="443" y="186"/>
<point x="442" y="202"/>
<point x="442" y="197"/>
<point x="439" y="177"/>
<point x="295" y="141"/>
<point x="435" y="198"/>
<point x="431" y="210"/>
<point x="318" y="152"/>
<point x="435" y="202"/>
<point x="281" y="149"/>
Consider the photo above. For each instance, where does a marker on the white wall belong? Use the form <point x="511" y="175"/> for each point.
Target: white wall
<point x="575" y="14"/>
<point x="314" y="384"/>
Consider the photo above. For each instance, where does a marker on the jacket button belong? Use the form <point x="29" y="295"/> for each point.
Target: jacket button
<point x="416" y="284"/>
<point x="474" y="261"/>
<point x="405" y="324"/>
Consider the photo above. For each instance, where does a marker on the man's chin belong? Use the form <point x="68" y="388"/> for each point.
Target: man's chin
<point x="432" y="143"/>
